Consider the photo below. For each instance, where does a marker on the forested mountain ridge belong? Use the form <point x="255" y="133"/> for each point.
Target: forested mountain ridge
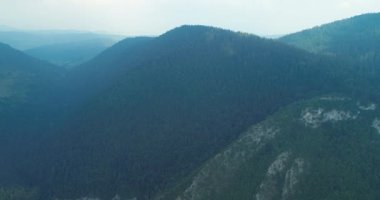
<point x="28" y="109"/>
<point x="355" y="39"/>
<point x="24" y="79"/>
<point x="178" y="100"/>
<point x="322" y="148"/>
<point x="168" y="117"/>
<point x="105" y="69"/>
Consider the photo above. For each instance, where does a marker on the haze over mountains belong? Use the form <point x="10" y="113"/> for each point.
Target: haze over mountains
<point x="62" y="48"/>
<point x="195" y="113"/>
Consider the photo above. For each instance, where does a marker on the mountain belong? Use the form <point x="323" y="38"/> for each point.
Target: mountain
<point x="62" y="48"/>
<point x="196" y="113"/>
<point x="160" y="107"/>
<point x="354" y="39"/>
<point x="99" y="73"/>
<point x="24" y="79"/>
<point x="322" y="148"/>
<point x="28" y="109"/>
<point x="72" y="53"/>
<point x="24" y="40"/>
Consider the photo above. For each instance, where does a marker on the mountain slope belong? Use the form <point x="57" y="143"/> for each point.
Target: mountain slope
<point x="99" y="73"/>
<point x="177" y="100"/>
<point x="354" y="39"/>
<point x="324" y="148"/>
<point x="25" y="79"/>
<point x="28" y="108"/>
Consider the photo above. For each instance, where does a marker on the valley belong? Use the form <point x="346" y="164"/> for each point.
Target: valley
<point x="196" y="113"/>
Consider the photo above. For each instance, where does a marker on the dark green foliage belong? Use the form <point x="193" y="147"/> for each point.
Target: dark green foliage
<point x="340" y="157"/>
<point x="148" y="112"/>
<point x="18" y="194"/>
<point x="356" y="37"/>
<point x="178" y="100"/>
<point x="355" y="40"/>
<point x="96" y="75"/>
<point x="28" y="110"/>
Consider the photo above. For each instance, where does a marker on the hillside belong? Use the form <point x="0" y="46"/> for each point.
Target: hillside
<point x="323" y="148"/>
<point x="28" y="109"/>
<point x="170" y="103"/>
<point x="24" y="79"/>
<point x="101" y="72"/>
<point x="354" y="39"/>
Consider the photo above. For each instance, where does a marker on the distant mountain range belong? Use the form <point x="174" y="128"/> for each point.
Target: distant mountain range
<point x="71" y="54"/>
<point x="197" y="113"/>
<point x="7" y="28"/>
<point x="62" y="48"/>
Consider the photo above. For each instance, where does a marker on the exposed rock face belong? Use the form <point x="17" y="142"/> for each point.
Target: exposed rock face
<point x="334" y="98"/>
<point x="292" y="178"/>
<point x="273" y="159"/>
<point x="367" y="107"/>
<point x="314" y="117"/>
<point x="376" y="124"/>
<point x="279" y="164"/>
<point x="269" y="188"/>
<point x="222" y="167"/>
<point x="282" y="178"/>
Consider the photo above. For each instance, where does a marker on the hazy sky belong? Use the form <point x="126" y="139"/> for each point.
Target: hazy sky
<point x="153" y="17"/>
